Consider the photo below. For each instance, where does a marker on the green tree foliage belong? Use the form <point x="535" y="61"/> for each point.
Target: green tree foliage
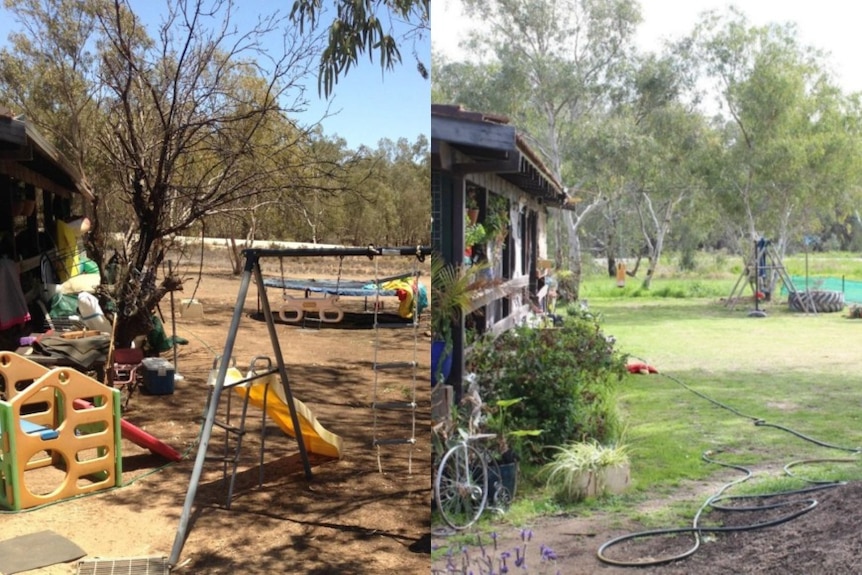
<point x="790" y="136"/>
<point x="729" y="134"/>
<point x="364" y="27"/>
<point x="368" y="196"/>
<point x="567" y="380"/>
<point x="675" y="147"/>
<point x="554" y="67"/>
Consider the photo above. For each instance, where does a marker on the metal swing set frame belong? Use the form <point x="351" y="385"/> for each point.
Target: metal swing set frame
<point x="251" y="268"/>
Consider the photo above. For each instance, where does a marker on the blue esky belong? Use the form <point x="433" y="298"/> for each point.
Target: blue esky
<point x="368" y="105"/>
<point x="830" y="25"/>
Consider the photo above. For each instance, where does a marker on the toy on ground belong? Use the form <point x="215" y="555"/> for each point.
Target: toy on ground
<point x="44" y="424"/>
<point x="640" y="368"/>
<point x="63" y="420"/>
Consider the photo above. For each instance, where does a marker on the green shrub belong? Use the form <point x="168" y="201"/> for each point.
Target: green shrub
<point x="567" y="378"/>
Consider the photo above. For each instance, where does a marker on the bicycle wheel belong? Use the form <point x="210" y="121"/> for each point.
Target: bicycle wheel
<point x="461" y="486"/>
<point x="499" y="496"/>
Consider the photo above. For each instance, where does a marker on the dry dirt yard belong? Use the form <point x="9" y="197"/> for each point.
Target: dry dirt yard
<point x="350" y="518"/>
<point x="822" y="541"/>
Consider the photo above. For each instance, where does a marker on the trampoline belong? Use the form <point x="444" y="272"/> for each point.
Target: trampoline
<point x="325" y="307"/>
<point x="334" y="287"/>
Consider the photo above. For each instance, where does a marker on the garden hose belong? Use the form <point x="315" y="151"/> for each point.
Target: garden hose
<point x="803" y="505"/>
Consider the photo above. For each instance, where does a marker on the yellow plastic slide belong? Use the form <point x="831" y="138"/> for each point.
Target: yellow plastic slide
<point x="317" y="438"/>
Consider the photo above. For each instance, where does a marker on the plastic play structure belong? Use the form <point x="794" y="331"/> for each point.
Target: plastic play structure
<point x="140" y="437"/>
<point x="64" y="419"/>
<point x="268" y="386"/>
<point x="56" y="418"/>
<point x="270" y="399"/>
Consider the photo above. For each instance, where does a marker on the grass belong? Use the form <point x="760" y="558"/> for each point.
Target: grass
<point x="722" y="373"/>
<point x="787" y="369"/>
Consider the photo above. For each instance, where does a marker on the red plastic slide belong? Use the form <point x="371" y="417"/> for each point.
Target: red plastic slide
<point x="139" y="437"/>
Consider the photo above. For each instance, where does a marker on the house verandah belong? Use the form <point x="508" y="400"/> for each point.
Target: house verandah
<point x="39" y="187"/>
<point x="481" y="162"/>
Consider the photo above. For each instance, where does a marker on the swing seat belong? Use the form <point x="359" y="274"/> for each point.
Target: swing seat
<point x="294" y="309"/>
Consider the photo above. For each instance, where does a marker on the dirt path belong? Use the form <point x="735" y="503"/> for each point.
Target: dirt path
<point x="823" y="538"/>
<point x="350" y="518"/>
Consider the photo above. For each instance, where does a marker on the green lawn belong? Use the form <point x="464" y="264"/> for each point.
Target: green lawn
<point x="794" y="370"/>
<point x="789" y="369"/>
<point x="722" y="375"/>
<point x="721" y="372"/>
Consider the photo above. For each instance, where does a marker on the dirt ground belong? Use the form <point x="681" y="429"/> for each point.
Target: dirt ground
<point x="351" y="517"/>
<point x="824" y="539"/>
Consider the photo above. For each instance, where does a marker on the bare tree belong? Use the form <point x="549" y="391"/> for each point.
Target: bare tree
<point x="199" y="118"/>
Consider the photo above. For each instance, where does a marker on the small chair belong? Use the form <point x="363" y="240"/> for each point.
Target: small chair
<point x="124" y="371"/>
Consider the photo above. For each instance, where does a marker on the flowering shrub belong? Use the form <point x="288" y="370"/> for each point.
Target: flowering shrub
<point x="482" y="560"/>
<point x="566" y="379"/>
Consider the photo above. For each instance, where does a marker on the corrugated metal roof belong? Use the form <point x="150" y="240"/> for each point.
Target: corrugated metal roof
<point x="532" y="175"/>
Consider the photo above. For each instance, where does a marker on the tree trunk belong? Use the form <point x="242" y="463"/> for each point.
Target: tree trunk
<point x="572" y="225"/>
<point x="661" y="230"/>
<point x="235" y="258"/>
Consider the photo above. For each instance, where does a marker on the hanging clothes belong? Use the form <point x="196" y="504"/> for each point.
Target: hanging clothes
<point x="13" y="304"/>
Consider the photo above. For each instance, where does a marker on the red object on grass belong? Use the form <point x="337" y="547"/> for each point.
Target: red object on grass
<point x="641" y="368"/>
<point x="139" y="437"/>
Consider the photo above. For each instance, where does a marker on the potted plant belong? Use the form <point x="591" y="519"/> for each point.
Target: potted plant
<point x="497" y="219"/>
<point x="472" y="207"/>
<point x="452" y="287"/>
<point x="587" y="469"/>
<point x="473" y="234"/>
<point x="506" y="453"/>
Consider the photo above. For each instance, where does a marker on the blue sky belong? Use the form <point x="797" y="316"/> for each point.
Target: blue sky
<point x="370" y="105"/>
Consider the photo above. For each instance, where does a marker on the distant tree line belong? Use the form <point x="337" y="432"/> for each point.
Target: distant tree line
<point x="192" y="128"/>
<point x="729" y="133"/>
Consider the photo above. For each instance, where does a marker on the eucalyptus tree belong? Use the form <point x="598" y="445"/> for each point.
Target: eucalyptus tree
<point x="360" y="27"/>
<point x="403" y="179"/>
<point x="675" y="147"/>
<point x="791" y="137"/>
<point x="553" y="64"/>
<point x="605" y="156"/>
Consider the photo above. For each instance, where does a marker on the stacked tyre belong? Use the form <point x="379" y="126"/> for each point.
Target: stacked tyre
<point x="818" y="301"/>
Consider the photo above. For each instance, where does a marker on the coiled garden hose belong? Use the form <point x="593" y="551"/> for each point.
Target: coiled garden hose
<point x="802" y="506"/>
